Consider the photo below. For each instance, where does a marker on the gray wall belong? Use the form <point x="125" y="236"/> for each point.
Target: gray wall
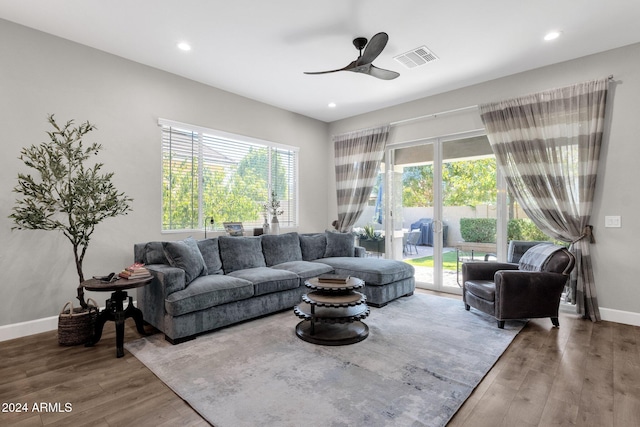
<point x="619" y="174"/>
<point x="41" y="74"/>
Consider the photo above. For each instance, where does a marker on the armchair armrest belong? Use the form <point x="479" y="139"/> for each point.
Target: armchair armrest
<point x="524" y="294"/>
<point x="360" y="252"/>
<point x="484" y="270"/>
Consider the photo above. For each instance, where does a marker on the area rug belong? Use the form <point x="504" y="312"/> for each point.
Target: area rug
<point x="423" y="357"/>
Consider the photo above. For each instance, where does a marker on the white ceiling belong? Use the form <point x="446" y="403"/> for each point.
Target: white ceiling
<point x="259" y="49"/>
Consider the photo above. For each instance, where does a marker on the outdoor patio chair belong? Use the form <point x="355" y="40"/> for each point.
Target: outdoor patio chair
<point x="412" y="240"/>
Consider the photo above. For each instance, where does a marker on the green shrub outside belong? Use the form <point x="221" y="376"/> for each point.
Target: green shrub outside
<point x="525" y="229"/>
<point x="483" y="230"/>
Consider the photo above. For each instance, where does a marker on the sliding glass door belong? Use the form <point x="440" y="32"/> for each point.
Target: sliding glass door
<point x="444" y="205"/>
<point x="470" y="208"/>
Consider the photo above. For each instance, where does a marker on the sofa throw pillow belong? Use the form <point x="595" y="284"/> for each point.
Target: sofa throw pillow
<point x="339" y="244"/>
<point x="278" y="249"/>
<point x="211" y="255"/>
<point x="154" y="253"/>
<point x="185" y="255"/>
<point x="536" y="257"/>
<point x="239" y="253"/>
<point x="313" y="246"/>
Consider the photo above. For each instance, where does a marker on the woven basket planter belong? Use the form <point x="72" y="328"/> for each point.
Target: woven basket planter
<point x="76" y="325"/>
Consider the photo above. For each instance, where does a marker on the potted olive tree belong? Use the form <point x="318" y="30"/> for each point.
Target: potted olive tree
<point x="64" y="193"/>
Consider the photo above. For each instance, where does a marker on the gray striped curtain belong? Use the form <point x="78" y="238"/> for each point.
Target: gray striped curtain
<point x="357" y="157"/>
<point x="548" y="145"/>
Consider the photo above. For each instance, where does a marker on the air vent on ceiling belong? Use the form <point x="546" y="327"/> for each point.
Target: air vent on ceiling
<point x="416" y="57"/>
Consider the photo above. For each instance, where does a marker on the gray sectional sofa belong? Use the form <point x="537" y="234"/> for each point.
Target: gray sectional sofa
<point x="202" y="285"/>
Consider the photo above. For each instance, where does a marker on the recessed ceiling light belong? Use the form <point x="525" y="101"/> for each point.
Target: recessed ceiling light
<point x="184" y="46"/>
<point x="552" y="35"/>
<point x="332" y="105"/>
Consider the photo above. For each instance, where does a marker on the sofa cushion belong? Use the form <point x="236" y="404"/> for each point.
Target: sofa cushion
<point x="281" y="248"/>
<point x="313" y="246"/>
<point x="207" y="291"/>
<point x="485" y="289"/>
<point x="211" y="255"/>
<point x="267" y="280"/>
<point x="339" y="244"/>
<point x="374" y="271"/>
<point x="153" y="253"/>
<point x="185" y="254"/>
<point x="239" y="253"/>
<point x="305" y="269"/>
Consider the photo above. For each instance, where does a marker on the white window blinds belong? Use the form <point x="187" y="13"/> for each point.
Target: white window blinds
<point x="212" y="174"/>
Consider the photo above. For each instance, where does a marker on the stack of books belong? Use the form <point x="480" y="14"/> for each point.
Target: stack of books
<point x="332" y="278"/>
<point x="135" y="271"/>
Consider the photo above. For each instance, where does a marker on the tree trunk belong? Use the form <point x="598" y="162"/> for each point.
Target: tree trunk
<point x="80" y="297"/>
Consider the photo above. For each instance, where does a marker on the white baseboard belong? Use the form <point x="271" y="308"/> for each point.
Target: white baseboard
<point x="32" y="327"/>
<point x="19" y="330"/>
<point x="618" y="316"/>
<point x="23" y="329"/>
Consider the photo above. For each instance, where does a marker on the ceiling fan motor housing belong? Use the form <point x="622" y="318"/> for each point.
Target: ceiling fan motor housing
<point x="360" y="43"/>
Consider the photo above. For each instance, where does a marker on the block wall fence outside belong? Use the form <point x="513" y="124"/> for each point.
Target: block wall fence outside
<point x="452" y="215"/>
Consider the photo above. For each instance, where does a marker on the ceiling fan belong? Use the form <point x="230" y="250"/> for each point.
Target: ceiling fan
<point x="364" y="62"/>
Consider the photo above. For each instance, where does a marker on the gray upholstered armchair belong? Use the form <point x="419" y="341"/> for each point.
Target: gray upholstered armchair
<point x="529" y="289"/>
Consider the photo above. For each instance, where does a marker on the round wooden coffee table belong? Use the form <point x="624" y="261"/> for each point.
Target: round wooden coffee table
<point x="332" y="313"/>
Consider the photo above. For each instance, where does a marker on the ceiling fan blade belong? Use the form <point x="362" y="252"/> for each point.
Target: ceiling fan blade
<point x="373" y="49"/>
<point x="347" y="68"/>
<point x="374" y="71"/>
<point x="382" y="73"/>
<point x="322" y="72"/>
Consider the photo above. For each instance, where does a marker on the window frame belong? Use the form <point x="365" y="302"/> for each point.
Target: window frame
<point x="292" y="182"/>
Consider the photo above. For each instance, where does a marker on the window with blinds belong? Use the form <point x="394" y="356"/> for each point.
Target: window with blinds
<point x="209" y="174"/>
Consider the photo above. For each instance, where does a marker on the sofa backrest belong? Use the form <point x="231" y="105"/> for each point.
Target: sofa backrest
<point x="239" y="253"/>
<point x="209" y="248"/>
<point x="281" y="248"/>
<point x="149" y="253"/>
<point x="154" y="253"/>
<point x="227" y="254"/>
<point x="339" y="244"/>
<point x="313" y="245"/>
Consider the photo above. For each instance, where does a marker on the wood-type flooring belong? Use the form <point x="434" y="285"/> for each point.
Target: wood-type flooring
<point x="581" y="374"/>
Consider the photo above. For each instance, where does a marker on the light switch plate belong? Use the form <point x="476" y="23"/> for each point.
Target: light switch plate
<point x="612" y="221"/>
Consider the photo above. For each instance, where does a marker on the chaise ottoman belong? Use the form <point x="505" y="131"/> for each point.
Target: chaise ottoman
<point x="385" y="279"/>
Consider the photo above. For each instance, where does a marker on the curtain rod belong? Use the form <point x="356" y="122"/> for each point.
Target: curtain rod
<point x="401" y="122"/>
<point x="455" y="110"/>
